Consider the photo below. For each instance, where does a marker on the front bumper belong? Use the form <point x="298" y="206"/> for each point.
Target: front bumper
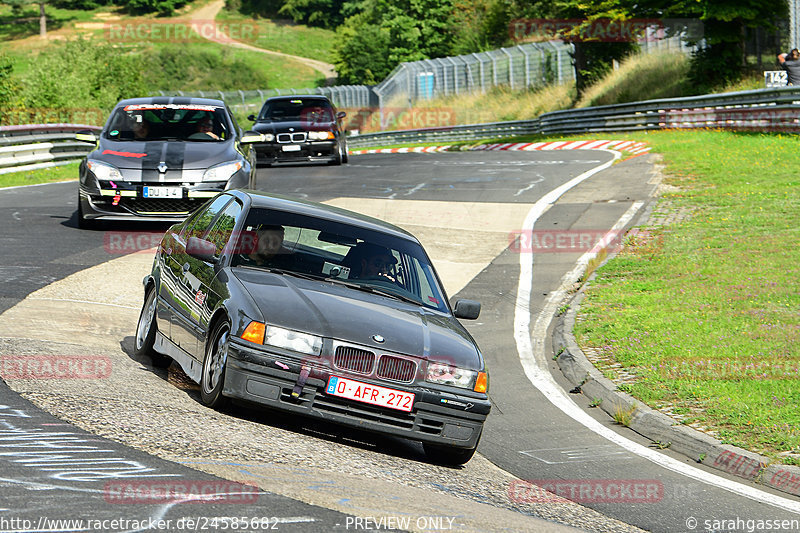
<point x="126" y="205"/>
<point x="256" y="377"/>
<point x="310" y="151"/>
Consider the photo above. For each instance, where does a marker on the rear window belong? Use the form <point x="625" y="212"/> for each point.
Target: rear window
<point x="168" y="122"/>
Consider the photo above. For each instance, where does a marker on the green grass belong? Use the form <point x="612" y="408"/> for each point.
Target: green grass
<point x="641" y="77"/>
<point x="44" y="175"/>
<point x="283" y="36"/>
<point x="26" y="23"/>
<point x="705" y="312"/>
<point x="258" y="71"/>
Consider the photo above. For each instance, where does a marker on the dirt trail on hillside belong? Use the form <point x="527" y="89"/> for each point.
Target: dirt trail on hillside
<point x="210" y="11"/>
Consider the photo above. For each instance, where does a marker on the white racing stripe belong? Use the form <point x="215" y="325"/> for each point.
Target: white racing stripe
<point x="534" y="360"/>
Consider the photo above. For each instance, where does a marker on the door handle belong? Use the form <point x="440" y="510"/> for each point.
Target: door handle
<point x="185" y="268"/>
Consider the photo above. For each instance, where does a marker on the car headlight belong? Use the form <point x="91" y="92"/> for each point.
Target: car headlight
<point x="293" y="340"/>
<point x="104" y="171"/>
<point x="445" y="374"/>
<point x="320" y="135"/>
<point x="268" y="137"/>
<point x="222" y="172"/>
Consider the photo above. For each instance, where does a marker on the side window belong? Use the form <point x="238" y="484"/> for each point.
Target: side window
<point x="198" y="226"/>
<point x="427" y="293"/>
<point x="232" y="118"/>
<point x="223" y="228"/>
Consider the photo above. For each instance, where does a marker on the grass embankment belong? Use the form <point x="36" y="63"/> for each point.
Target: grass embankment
<point x="704" y="313"/>
<point x="283" y="36"/>
<point x="171" y="60"/>
<point x="640" y="77"/>
<point x="43" y="175"/>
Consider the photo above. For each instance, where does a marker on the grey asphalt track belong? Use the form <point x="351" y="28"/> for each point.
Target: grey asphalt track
<point x="526" y="435"/>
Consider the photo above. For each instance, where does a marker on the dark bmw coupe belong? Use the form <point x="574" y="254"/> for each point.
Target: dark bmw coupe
<point x="162" y="158"/>
<point x="317" y="311"/>
<point x="300" y="128"/>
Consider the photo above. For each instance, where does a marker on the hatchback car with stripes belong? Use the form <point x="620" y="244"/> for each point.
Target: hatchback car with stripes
<point x="316" y="311"/>
<point x="161" y="158"/>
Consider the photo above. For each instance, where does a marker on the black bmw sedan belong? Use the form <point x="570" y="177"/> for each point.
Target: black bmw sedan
<point x="162" y="158"/>
<point x="300" y="128"/>
<point x="317" y="311"/>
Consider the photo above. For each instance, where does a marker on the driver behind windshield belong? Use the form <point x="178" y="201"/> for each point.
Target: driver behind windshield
<point x="204" y="130"/>
<point x="376" y="262"/>
<point x="268" y="249"/>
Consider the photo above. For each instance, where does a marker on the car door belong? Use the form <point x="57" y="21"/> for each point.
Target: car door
<point x="212" y="289"/>
<point x="179" y="285"/>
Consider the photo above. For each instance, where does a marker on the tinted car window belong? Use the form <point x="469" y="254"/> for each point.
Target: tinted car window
<point x="309" y="110"/>
<point x="357" y="256"/>
<point x="198" y="225"/>
<point x="165" y="122"/>
<point x="223" y="227"/>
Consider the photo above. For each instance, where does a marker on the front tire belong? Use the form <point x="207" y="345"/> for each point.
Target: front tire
<point x="448" y="456"/>
<point x="146" y="332"/>
<point x="213" y="376"/>
<point x="84" y="223"/>
<point x="337" y="157"/>
<point x="345" y="156"/>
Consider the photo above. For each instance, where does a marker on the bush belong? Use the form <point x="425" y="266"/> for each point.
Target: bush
<point x="196" y="68"/>
<point x="82" y="73"/>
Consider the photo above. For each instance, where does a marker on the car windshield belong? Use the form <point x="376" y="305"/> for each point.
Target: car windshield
<point x="358" y="258"/>
<point x="309" y="110"/>
<point x="168" y="122"/>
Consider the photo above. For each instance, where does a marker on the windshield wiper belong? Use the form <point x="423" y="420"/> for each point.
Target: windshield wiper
<point x="375" y="290"/>
<point x="283" y="272"/>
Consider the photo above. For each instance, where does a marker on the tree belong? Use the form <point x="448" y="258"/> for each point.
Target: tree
<point x="721" y="58"/>
<point x="17" y="6"/>
<point x="391" y="33"/>
<point x="322" y="13"/>
<point x="8" y="86"/>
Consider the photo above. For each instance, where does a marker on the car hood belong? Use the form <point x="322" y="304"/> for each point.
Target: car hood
<point x="338" y="312"/>
<point x="177" y="155"/>
<point x="300" y="125"/>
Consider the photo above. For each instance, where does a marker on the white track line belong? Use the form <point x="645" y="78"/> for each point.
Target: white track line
<point x="534" y="359"/>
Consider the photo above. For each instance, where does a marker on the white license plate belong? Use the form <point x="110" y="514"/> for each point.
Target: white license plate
<point x="372" y="394"/>
<point x="291" y="148"/>
<point x="162" y="192"/>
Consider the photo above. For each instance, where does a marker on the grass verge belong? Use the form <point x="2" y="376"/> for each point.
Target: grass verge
<point x="705" y="311"/>
<point x="42" y="175"/>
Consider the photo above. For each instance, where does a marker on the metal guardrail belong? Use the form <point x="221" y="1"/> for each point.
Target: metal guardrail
<point x="34" y="146"/>
<point x="44" y="145"/>
<point x="759" y="110"/>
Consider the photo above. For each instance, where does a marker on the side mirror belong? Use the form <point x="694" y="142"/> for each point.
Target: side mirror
<point x="251" y="137"/>
<point x="201" y="249"/>
<point x="86" y="136"/>
<point x="251" y="118"/>
<point x="341" y="114"/>
<point x="467" y="309"/>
